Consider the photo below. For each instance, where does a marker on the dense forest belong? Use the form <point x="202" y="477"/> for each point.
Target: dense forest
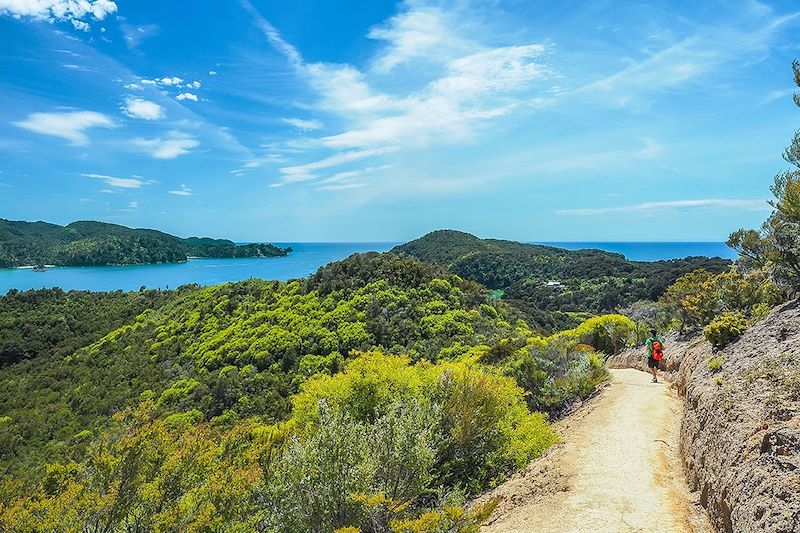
<point x="581" y="281"/>
<point x="223" y="407"/>
<point x="88" y="243"/>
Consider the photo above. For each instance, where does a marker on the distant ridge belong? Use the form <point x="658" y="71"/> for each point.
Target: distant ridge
<point x="92" y="243"/>
<point x="553" y="287"/>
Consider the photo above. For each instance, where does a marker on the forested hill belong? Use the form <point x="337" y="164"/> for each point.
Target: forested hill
<point x="588" y="281"/>
<point x="89" y="243"/>
<point x="381" y="387"/>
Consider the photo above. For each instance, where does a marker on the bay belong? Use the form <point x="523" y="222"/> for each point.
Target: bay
<point x="306" y="258"/>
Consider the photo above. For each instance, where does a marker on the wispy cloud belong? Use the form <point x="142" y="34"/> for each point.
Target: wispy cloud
<point x="134" y="35"/>
<point x="469" y="85"/>
<point x="273" y="35"/>
<point x="77" y="68"/>
<point x="133" y="204"/>
<point x="707" y="203"/>
<point x="122" y="183"/>
<point x="305" y="172"/>
<point x="690" y="58"/>
<point x="183" y="191"/>
<point x="174" y="145"/>
<point x="777" y="95"/>
<point x="69" y="125"/>
<point x="342" y="186"/>
<point x="451" y="107"/>
<point x="143" y="109"/>
<point x="304" y="125"/>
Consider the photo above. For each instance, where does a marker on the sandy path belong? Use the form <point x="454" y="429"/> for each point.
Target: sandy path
<point x="617" y="469"/>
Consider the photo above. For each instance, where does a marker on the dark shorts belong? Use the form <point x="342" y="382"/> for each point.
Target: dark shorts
<point x="652" y="363"/>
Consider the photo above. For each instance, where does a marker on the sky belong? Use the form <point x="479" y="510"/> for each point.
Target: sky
<point x="300" y="120"/>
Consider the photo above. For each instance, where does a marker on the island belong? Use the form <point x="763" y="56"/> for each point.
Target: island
<point x="91" y="243"/>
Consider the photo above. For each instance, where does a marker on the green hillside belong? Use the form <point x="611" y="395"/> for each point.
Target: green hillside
<point x="89" y="243"/>
<point x="582" y="281"/>
<point x="223" y="407"/>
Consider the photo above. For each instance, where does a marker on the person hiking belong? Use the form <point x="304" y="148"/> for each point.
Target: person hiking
<point x="655" y="352"/>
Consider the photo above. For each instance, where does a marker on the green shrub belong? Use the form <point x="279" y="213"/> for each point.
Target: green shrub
<point x="715" y="363"/>
<point x="483" y="428"/>
<point x="725" y="329"/>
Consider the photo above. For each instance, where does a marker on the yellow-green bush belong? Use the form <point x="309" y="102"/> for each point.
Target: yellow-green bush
<point x="484" y="427"/>
<point x="725" y="329"/>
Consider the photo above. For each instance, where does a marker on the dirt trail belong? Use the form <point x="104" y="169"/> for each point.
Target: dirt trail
<point x="616" y="470"/>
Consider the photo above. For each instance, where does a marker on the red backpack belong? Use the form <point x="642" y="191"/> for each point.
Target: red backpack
<point x="658" y="350"/>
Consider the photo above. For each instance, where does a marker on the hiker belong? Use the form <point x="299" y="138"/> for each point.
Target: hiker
<point x="655" y="352"/>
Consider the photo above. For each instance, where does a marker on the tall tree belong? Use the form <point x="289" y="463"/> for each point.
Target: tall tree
<point x="777" y="245"/>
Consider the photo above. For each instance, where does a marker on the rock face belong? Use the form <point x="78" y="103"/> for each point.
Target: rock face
<point x="740" y="435"/>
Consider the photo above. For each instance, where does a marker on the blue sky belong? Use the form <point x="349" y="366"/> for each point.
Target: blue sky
<point x="317" y="120"/>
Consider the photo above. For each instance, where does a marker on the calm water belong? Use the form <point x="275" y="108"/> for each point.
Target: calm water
<point x="654" y="251"/>
<point x="306" y="258"/>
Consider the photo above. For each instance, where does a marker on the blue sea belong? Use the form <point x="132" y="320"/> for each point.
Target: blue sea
<point x="306" y="259"/>
<point x="654" y="251"/>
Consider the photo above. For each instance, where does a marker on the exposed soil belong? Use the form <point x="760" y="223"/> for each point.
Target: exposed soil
<point x="617" y="469"/>
<point x="740" y="436"/>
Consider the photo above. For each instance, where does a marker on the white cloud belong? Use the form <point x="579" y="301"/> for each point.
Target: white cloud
<point x="133" y="86"/>
<point x="419" y="33"/>
<point x="750" y="205"/>
<point x="305" y="125"/>
<point x="305" y="172"/>
<point x="344" y="89"/>
<point x="194" y="85"/>
<point x="451" y="107"/>
<point x="174" y="80"/>
<point x="183" y="191"/>
<point x="166" y="81"/>
<point x="173" y="146"/>
<point x="187" y="96"/>
<point x="143" y="109"/>
<point x="122" y="183"/>
<point x="212" y="72"/>
<point x="133" y="204"/>
<point x="471" y="85"/>
<point x="74" y="11"/>
<point x="498" y="70"/>
<point x="69" y="125"/>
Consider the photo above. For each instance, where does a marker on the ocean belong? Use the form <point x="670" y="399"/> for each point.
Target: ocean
<point x="306" y="259"/>
<point x="654" y="251"/>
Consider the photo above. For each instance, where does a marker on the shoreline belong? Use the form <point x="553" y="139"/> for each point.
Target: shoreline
<point x="188" y="258"/>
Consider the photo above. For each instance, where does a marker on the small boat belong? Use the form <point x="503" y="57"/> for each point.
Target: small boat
<point x="40" y="268"/>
